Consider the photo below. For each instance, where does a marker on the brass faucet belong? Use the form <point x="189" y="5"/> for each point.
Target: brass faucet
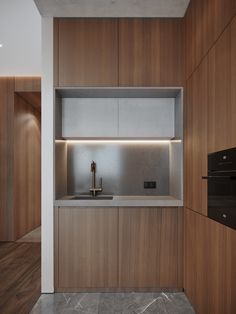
<point x="94" y="190"/>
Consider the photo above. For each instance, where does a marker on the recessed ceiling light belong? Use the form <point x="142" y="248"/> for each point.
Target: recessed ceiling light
<point x="1" y="45"/>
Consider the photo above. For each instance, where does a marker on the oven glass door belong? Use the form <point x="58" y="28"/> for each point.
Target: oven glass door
<point x="222" y="198"/>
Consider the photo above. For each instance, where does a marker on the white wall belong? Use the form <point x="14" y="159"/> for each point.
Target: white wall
<point x="20" y="34"/>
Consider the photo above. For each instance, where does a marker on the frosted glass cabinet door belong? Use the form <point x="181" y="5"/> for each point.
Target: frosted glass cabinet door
<point x="89" y="117"/>
<point x="146" y="117"/>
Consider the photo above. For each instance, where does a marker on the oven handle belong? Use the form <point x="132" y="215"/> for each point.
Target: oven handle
<point x="219" y="177"/>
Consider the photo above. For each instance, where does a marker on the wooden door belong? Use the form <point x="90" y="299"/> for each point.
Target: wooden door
<point x="87" y="52"/>
<point x="221" y="111"/>
<point x="233" y="80"/>
<point x="209" y="272"/>
<point x="150" y="247"/>
<point x="196" y="139"/>
<point x="150" y="52"/>
<point x="139" y="52"/>
<point x="87" y="248"/>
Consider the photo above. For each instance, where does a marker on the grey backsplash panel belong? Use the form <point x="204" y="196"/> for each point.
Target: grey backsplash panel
<point x="123" y="166"/>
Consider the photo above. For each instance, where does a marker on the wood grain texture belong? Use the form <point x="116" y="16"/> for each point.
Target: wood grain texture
<point x="33" y="98"/>
<point x="233" y="79"/>
<point x="27" y="84"/>
<point x="221" y="113"/>
<point x="139" y="53"/>
<point x="88" y="52"/>
<point x="6" y="158"/>
<point x="27" y="167"/>
<point x="209" y="272"/>
<point x="205" y="20"/>
<point x="150" y="242"/>
<point x="196" y="140"/>
<point x="87" y="247"/>
<point x="172" y="52"/>
<point x="60" y="169"/>
<point x="19" y="276"/>
<point x="151" y="52"/>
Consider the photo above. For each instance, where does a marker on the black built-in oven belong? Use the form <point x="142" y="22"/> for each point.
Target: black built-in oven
<point x="222" y="187"/>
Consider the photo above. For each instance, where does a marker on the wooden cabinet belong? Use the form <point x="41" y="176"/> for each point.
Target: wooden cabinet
<point x="150" y="247"/>
<point x="87" y="248"/>
<point x="196" y="140"/>
<point x="147" y="52"/>
<point x="172" y="55"/>
<point x="210" y="114"/>
<point x="150" y="52"/>
<point x="139" y="52"/>
<point x="209" y="271"/>
<point x="233" y="78"/>
<point x="205" y="20"/>
<point x="221" y="110"/>
<point x="87" y="52"/>
<point x="118" y="248"/>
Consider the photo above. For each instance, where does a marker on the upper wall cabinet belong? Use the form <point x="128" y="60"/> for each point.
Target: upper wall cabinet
<point x="147" y="52"/>
<point x="87" y="52"/>
<point x="150" y="52"/>
<point x="118" y="113"/>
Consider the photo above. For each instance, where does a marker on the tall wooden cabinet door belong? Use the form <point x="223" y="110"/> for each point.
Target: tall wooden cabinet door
<point x="150" y="247"/>
<point x="139" y="52"/>
<point x="209" y="272"/>
<point x="221" y="112"/>
<point x="172" y="60"/>
<point x="233" y="76"/>
<point x="196" y="140"/>
<point x="87" y="248"/>
<point x="87" y="52"/>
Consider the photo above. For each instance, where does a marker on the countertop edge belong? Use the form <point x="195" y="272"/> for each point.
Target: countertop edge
<point x="119" y="203"/>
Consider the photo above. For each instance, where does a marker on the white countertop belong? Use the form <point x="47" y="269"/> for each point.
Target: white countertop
<point x="122" y="201"/>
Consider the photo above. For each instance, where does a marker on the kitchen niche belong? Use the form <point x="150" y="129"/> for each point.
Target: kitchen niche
<point x="133" y="134"/>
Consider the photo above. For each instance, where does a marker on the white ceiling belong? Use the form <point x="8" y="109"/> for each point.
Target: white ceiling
<point x="20" y="35"/>
<point x="112" y="8"/>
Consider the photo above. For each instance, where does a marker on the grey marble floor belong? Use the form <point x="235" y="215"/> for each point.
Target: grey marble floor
<point x="113" y="303"/>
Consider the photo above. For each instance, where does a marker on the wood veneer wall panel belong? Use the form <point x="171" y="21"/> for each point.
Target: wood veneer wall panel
<point x="210" y="276"/>
<point x="205" y="20"/>
<point x="88" y="51"/>
<point x="33" y="98"/>
<point x="27" y="169"/>
<point x="150" y="240"/>
<point x="6" y="158"/>
<point x="27" y="84"/>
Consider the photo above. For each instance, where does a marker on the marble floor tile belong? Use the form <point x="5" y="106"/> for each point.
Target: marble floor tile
<point x="113" y="303"/>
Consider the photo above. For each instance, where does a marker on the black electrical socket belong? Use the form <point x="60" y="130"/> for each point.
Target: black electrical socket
<point x="149" y="184"/>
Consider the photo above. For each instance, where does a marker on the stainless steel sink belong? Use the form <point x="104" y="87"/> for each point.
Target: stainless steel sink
<point x="92" y="198"/>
